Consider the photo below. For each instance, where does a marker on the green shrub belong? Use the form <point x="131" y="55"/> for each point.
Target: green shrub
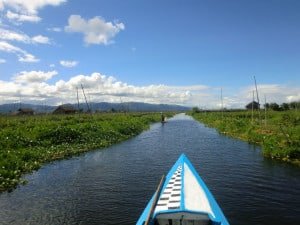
<point x="28" y="142"/>
<point x="279" y="135"/>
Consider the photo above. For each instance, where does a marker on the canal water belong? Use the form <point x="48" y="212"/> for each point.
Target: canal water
<point x="112" y="186"/>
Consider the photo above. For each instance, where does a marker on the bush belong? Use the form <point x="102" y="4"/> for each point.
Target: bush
<point x="60" y="135"/>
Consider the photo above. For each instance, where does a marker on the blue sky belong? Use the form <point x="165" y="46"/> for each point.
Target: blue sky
<point x="175" y="51"/>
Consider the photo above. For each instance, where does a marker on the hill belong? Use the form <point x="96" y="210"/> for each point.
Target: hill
<point x="101" y="106"/>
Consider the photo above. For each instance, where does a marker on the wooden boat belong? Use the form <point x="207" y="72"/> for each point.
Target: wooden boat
<point x="182" y="198"/>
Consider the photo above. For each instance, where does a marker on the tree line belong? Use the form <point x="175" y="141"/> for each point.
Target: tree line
<point x="282" y="107"/>
<point x="270" y="106"/>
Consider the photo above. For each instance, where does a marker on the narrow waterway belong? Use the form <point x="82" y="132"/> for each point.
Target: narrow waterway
<point x="112" y="186"/>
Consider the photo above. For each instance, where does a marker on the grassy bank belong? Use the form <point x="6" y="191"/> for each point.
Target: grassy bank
<point x="28" y="142"/>
<point x="279" y="134"/>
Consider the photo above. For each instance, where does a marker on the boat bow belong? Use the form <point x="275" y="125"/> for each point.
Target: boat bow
<point x="185" y="197"/>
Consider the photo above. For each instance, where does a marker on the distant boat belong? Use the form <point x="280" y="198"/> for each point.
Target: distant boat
<point x="182" y="198"/>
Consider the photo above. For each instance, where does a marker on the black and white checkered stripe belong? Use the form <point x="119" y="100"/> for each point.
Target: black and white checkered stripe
<point x="171" y="196"/>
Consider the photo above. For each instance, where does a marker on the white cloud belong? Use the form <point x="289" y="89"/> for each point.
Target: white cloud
<point x="67" y="63"/>
<point x="23" y="56"/>
<point x="13" y="36"/>
<point x="294" y="97"/>
<point x="10" y="35"/>
<point x="22" y="18"/>
<point x="28" y="58"/>
<point x="26" y="10"/>
<point x="34" y="86"/>
<point x="29" y="6"/>
<point x="95" y="30"/>
<point x="40" y="39"/>
<point x="2" y="61"/>
<point x="278" y="93"/>
<point x="6" y="47"/>
<point x="33" y="76"/>
<point x="54" y="29"/>
<point x="52" y="65"/>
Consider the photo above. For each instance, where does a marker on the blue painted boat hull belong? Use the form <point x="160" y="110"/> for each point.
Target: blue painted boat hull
<point x="184" y="199"/>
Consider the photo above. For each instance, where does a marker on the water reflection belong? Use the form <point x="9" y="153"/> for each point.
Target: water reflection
<point x="112" y="186"/>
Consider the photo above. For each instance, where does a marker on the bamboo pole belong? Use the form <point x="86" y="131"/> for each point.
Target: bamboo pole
<point x="87" y="104"/>
<point x="265" y="111"/>
<point x="256" y="91"/>
<point x="252" y="106"/>
<point x="77" y="99"/>
<point x="222" y="102"/>
<point x="157" y="194"/>
<point x="257" y="99"/>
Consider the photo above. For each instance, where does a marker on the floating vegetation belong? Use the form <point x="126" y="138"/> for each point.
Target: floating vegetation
<point x="26" y="143"/>
<point x="277" y="132"/>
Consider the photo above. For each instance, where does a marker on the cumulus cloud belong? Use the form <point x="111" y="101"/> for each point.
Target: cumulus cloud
<point x="34" y="86"/>
<point x="67" y="63"/>
<point x="33" y="76"/>
<point x="95" y="30"/>
<point x="23" y="56"/>
<point x="294" y="97"/>
<point x="26" y="10"/>
<point x="29" y="6"/>
<point x="272" y="92"/>
<point x="101" y="88"/>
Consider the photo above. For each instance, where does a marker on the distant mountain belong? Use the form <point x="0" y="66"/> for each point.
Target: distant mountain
<point x="8" y="108"/>
<point x="101" y="106"/>
<point x="135" y="107"/>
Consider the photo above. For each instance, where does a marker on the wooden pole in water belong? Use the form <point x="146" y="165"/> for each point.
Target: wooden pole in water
<point x="91" y="108"/>
<point x="257" y="99"/>
<point x="265" y="110"/>
<point x="222" y="102"/>
<point x="157" y="194"/>
<point x="256" y="91"/>
<point x="252" y="105"/>
<point x="87" y="104"/>
<point x="77" y="99"/>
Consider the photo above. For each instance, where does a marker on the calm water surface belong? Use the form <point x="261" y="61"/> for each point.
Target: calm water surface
<point x="112" y="186"/>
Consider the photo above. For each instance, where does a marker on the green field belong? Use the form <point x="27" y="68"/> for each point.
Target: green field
<point x="278" y="133"/>
<point x="28" y="142"/>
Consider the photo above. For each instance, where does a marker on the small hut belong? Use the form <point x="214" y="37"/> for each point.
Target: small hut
<point x="24" y="111"/>
<point x="65" y="109"/>
<point x="253" y="104"/>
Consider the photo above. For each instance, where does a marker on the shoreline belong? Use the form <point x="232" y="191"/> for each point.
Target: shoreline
<point x="28" y="142"/>
<point x="278" y="137"/>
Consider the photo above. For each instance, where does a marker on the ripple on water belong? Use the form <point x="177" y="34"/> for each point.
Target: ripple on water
<point x="112" y="186"/>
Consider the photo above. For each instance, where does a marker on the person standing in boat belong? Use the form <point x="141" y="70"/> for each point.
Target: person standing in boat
<point x="162" y="117"/>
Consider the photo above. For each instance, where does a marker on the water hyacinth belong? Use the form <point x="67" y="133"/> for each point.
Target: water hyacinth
<point x="26" y="143"/>
<point x="279" y="135"/>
